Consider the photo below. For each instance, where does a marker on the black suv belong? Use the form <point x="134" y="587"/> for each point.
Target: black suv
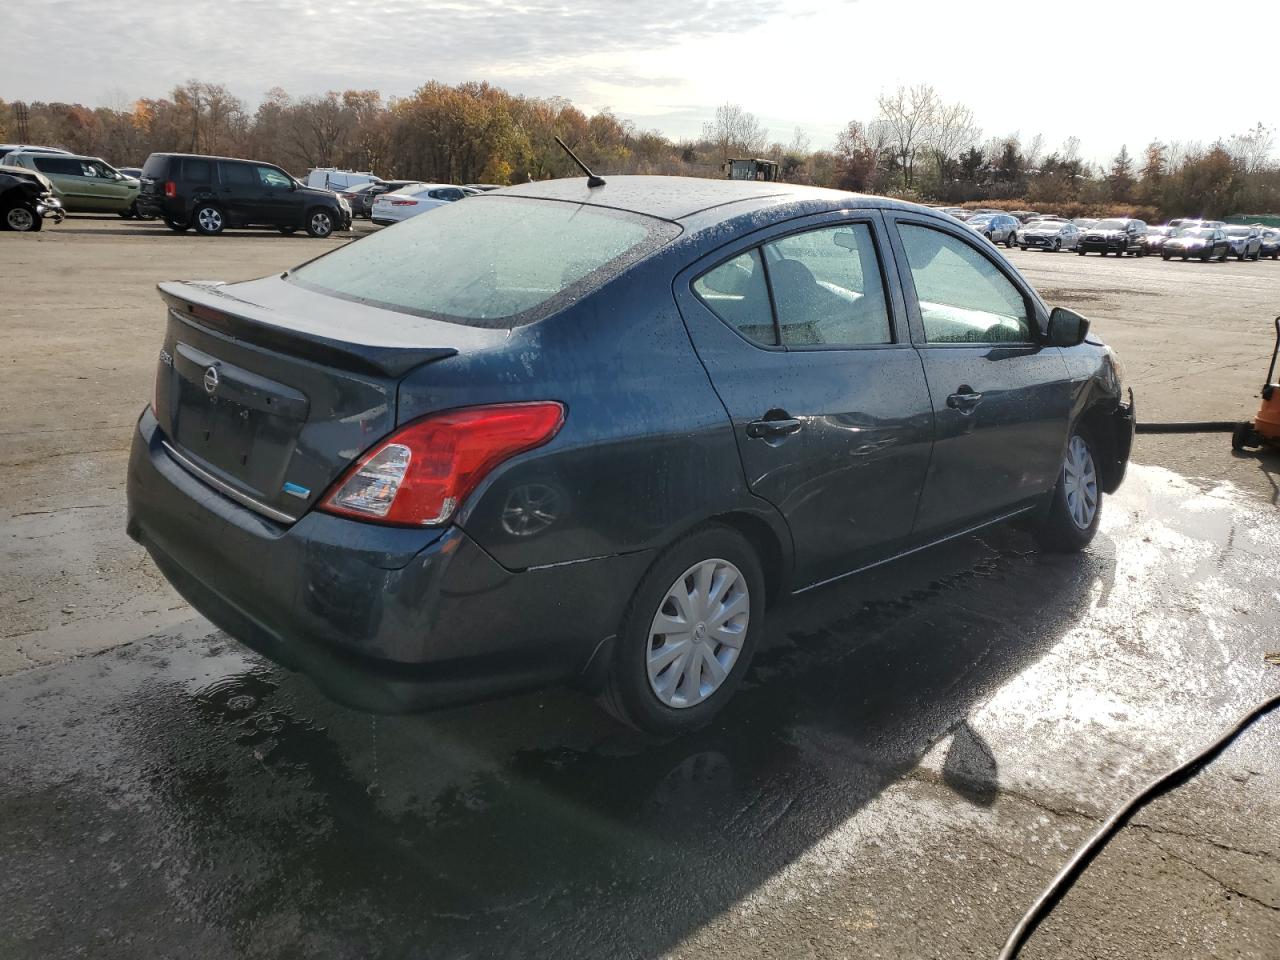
<point x="213" y="193"/>
<point x="1119" y="235"/>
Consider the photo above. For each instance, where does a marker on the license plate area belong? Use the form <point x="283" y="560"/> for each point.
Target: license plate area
<point x="242" y="425"/>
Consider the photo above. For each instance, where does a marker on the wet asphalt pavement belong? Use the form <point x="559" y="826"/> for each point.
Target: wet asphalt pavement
<point x="913" y="756"/>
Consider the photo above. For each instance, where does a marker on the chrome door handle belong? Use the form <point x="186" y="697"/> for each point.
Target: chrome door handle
<point x="964" y="399"/>
<point x="769" y="429"/>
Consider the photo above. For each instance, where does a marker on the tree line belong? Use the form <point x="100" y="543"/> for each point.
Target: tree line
<point x="917" y="146"/>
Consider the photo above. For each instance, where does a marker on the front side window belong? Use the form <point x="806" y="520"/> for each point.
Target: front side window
<point x="271" y="177"/>
<point x="736" y="292"/>
<point x="963" y="296"/>
<point x="827" y="287"/>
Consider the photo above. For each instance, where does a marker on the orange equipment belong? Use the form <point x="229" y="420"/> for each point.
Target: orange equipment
<point x="1265" y="427"/>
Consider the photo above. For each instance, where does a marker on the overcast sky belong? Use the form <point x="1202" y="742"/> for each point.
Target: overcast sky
<point x="1025" y="67"/>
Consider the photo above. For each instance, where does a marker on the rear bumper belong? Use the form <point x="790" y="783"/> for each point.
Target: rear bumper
<point x="384" y="619"/>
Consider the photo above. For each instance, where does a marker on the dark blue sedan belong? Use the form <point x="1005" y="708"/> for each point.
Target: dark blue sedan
<point x="569" y="433"/>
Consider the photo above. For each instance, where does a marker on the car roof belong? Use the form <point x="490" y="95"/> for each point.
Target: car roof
<point x="670" y="198"/>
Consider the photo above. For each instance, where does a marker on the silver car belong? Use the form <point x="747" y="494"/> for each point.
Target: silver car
<point x="1051" y="235"/>
<point x="996" y="227"/>
<point x="1246" y="242"/>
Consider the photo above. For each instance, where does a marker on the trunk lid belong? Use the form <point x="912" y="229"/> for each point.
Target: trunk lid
<point x="268" y="391"/>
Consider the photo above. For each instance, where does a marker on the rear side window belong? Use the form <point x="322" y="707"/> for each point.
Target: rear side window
<point x="963" y="296"/>
<point x="197" y="170"/>
<point x="156" y="167"/>
<point x="490" y="262"/>
<point x="61" y="166"/>
<point x="736" y="292"/>
<point x="827" y="288"/>
<point x="237" y="175"/>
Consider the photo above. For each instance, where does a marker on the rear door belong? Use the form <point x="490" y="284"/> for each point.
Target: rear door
<point x="805" y="342"/>
<point x="67" y="176"/>
<point x="239" y="191"/>
<point x="1000" y="398"/>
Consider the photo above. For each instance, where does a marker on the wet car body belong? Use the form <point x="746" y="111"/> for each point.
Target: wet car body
<point x="1119" y="236"/>
<point x="826" y="460"/>
<point x="1156" y="237"/>
<point x="1051" y="235"/>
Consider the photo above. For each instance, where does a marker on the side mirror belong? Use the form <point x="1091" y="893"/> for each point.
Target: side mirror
<point x="1066" y="328"/>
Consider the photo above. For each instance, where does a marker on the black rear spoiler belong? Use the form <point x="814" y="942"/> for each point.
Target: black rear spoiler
<point x="204" y="304"/>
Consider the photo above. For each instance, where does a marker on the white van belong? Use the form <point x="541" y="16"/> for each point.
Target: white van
<point x="331" y="178"/>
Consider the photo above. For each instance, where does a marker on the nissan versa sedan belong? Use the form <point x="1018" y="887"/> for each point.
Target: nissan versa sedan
<point x="588" y="434"/>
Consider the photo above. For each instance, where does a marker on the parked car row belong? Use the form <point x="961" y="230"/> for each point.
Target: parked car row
<point x="1182" y="237"/>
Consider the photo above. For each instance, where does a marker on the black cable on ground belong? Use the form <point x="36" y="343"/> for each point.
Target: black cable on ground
<point x="1094" y="845"/>
<point x="1188" y="426"/>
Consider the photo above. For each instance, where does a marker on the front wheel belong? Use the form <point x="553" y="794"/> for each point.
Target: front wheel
<point x="319" y="223"/>
<point x="688" y="634"/>
<point x="1010" y="241"/>
<point x="22" y="218"/>
<point x="1076" y="507"/>
<point x="1057" y="245"/>
<point x="1081" y="251"/>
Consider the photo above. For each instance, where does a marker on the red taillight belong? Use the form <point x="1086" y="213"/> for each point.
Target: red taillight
<point x="422" y="472"/>
<point x="404" y="203"/>
<point x="170" y="188"/>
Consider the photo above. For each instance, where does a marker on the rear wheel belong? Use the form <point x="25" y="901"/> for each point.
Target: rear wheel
<point x="209" y="220"/>
<point x="1243" y="436"/>
<point x="22" y="218"/>
<point x="319" y="223"/>
<point x="688" y="633"/>
<point x="1073" y="514"/>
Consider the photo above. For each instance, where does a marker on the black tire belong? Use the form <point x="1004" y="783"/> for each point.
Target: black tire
<point x="1164" y="256"/>
<point x="1058" y="531"/>
<point x="627" y="694"/>
<point x="1243" y="437"/>
<point x="1057" y="245"/>
<point x="126" y="214"/>
<point x="316" y="218"/>
<point x="288" y="231"/>
<point x="138" y="214"/>
<point x="209" y="219"/>
<point x="1206" y="256"/>
<point x="1010" y="241"/>
<point x="21" y="218"/>
<point x="1081" y="252"/>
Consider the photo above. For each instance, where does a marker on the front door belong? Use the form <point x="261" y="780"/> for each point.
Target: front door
<point x="1001" y="398"/>
<point x="281" y="205"/>
<point x="806" y="345"/>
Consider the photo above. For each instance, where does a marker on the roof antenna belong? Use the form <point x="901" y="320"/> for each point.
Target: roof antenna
<point x="592" y="179"/>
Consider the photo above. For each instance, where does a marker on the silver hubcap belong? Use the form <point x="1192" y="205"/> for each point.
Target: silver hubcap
<point x="210" y="219"/>
<point x="20" y="218"/>
<point x="320" y="223"/>
<point x="697" y="633"/>
<point x="1080" y="481"/>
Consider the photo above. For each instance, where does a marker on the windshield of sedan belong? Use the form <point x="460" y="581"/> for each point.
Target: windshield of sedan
<point x="1202" y="232"/>
<point x="980" y="219"/>
<point x="1110" y="225"/>
<point x="1238" y="231"/>
<point x="489" y="262"/>
<point x="1159" y="231"/>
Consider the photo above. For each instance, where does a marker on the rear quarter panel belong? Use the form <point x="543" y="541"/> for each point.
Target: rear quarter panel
<point x="646" y="451"/>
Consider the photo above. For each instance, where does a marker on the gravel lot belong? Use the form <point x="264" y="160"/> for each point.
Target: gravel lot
<point x="913" y="759"/>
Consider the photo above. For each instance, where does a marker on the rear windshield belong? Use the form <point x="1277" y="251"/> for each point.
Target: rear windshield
<point x="155" y="166"/>
<point x="489" y="262"/>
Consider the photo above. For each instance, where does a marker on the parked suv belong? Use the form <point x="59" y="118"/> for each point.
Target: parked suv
<point x="213" y="193"/>
<point x="1119" y="235"/>
<point x="82" y="184"/>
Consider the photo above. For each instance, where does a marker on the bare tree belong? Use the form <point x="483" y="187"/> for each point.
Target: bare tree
<point x="908" y="115"/>
<point x="735" y="131"/>
<point x="1034" y="152"/>
<point x="1252" y="150"/>
<point x="951" y="132"/>
<point x="799" y="142"/>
